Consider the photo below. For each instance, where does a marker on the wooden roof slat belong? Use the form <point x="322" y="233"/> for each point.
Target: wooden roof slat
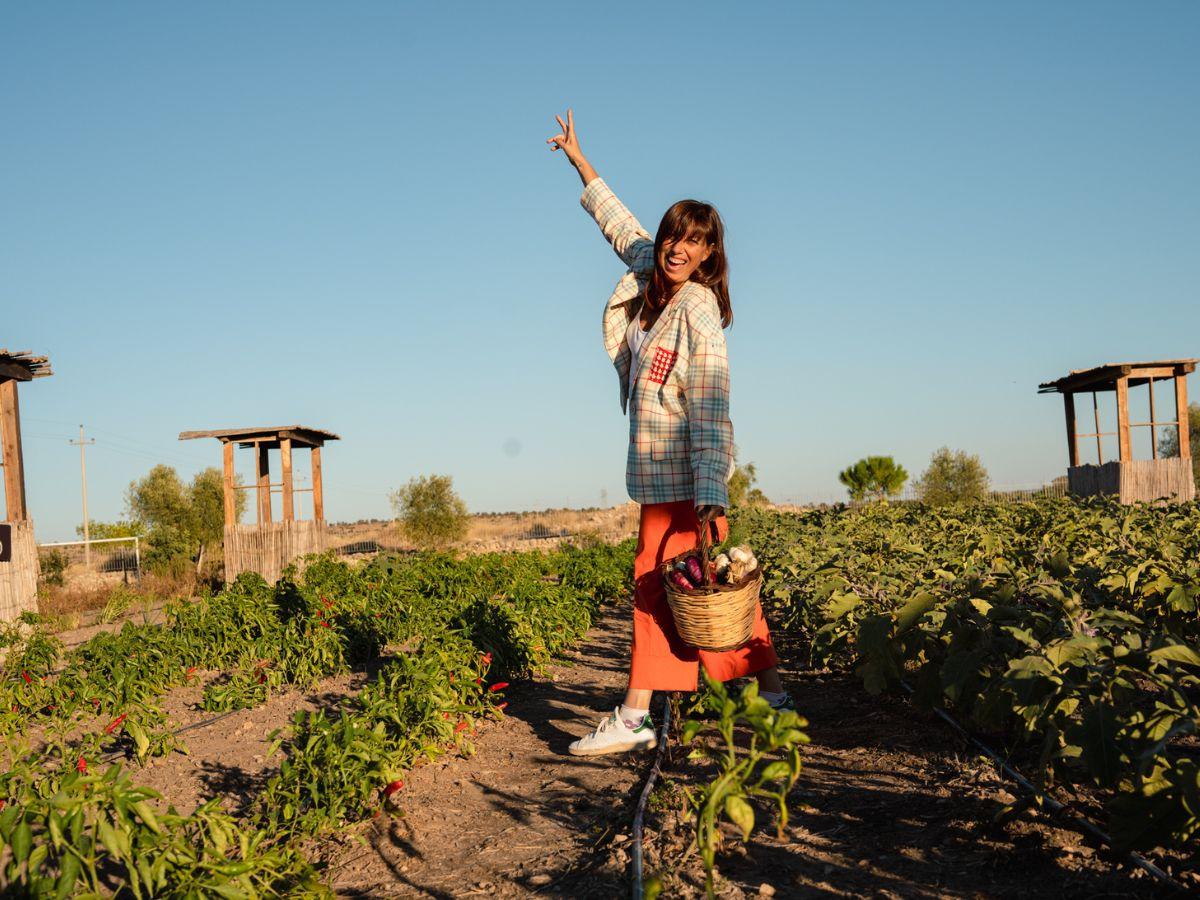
<point x="1098" y="378"/>
<point x="298" y="434"/>
<point x="23" y="365"/>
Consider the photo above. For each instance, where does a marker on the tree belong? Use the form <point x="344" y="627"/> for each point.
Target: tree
<point x="123" y="528"/>
<point x="429" y="513"/>
<point x="741" y="489"/>
<point x="1168" y="444"/>
<point x="953" y="477"/>
<point x="180" y="520"/>
<point x="876" y="477"/>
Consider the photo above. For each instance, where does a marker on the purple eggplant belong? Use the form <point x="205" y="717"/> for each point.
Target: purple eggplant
<point x="680" y="581"/>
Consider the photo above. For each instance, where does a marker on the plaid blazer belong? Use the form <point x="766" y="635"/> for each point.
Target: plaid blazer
<point x="680" y="435"/>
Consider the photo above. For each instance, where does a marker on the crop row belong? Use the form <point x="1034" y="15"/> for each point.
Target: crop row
<point x="1065" y="629"/>
<point x="448" y="630"/>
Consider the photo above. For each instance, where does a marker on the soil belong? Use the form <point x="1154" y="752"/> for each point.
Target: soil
<point x="890" y="804"/>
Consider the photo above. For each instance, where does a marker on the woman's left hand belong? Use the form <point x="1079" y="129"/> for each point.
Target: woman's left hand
<point x="707" y="513"/>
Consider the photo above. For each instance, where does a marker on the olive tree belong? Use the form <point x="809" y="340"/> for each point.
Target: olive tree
<point x="953" y="476"/>
<point x="1168" y="444"/>
<point x="429" y="512"/>
<point x="742" y="491"/>
<point x="180" y="520"/>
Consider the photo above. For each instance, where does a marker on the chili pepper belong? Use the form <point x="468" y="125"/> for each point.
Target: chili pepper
<point x="445" y="715"/>
<point x="502" y="705"/>
<point x="191" y="670"/>
<point x="486" y="657"/>
<point x="498" y="686"/>
<point x="393" y="787"/>
<point x="324" y="624"/>
<point x="25" y="675"/>
<point x="479" y="681"/>
<point x="115" y="723"/>
<point x="3" y="804"/>
<point x="81" y="766"/>
<point x="460" y="727"/>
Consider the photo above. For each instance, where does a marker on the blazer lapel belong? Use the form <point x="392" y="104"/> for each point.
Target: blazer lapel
<point x="652" y="334"/>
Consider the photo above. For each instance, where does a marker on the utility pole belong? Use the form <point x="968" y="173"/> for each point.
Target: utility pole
<point x="87" y="547"/>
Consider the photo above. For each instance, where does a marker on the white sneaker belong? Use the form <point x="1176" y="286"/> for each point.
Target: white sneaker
<point x="614" y="736"/>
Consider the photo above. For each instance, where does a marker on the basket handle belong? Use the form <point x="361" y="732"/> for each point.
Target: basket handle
<point x="705" y="546"/>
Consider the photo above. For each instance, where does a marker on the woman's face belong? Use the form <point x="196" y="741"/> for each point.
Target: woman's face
<point x="680" y="258"/>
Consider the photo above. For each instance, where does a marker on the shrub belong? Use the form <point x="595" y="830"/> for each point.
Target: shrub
<point x="54" y="566"/>
<point x="429" y="513"/>
<point x="953" y="477"/>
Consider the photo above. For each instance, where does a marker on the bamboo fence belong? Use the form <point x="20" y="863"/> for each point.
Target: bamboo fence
<point x="269" y="547"/>
<point x="1139" y="480"/>
<point x="18" y="577"/>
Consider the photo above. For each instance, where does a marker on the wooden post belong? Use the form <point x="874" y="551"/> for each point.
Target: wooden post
<point x="318" y="495"/>
<point x="285" y="455"/>
<point x="262" y="458"/>
<point x="1096" y="415"/>
<point x="1181" y="416"/>
<point x="10" y="446"/>
<point x="1072" y="438"/>
<point x="230" y="502"/>
<point x="1126" y="450"/>
<point x="1153" y="422"/>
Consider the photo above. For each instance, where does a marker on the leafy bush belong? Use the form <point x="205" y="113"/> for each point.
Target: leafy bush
<point x="741" y="486"/>
<point x="953" y="476"/>
<point x="430" y="513"/>
<point x="53" y="564"/>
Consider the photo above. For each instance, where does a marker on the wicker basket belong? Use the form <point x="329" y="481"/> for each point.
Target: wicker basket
<point x="715" y="617"/>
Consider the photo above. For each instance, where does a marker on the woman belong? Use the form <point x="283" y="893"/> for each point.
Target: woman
<point x="663" y="331"/>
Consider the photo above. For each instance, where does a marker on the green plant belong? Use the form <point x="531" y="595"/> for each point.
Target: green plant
<point x="1065" y="629"/>
<point x="953" y="477"/>
<point x="876" y="477"/>
<point x="741" y="486"/>
<point x="430" y="513"/>
<point x="53" y="566"/>
<point x="743" y="773"/>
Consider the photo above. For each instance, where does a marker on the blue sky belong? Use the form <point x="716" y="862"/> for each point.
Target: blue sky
<point x="344" y="215"/>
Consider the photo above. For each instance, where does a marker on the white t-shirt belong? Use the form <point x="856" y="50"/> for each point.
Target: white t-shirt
<point x="635" y="337"/>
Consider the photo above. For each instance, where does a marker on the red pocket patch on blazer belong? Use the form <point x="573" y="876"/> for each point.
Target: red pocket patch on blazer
<point x="662" y="363"/>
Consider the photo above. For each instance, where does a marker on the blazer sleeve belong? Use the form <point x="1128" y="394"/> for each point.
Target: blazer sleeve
<point x="632" y="242"/>
<point x="706" y="391"/>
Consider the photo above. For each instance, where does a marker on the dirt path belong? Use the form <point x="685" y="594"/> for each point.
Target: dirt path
<point x="520" y="816"/>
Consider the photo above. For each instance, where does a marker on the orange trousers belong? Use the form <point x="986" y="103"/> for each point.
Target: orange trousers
<point x="661" y="660"/>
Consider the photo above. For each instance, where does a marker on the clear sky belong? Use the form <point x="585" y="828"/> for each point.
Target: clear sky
<point x="344" y="215"/>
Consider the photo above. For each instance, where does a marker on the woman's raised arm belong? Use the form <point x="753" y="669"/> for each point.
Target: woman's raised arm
<point x="629" y="239"/>
<point x="568" y="142"/>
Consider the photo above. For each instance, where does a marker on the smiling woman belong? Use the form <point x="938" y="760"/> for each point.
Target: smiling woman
<point x="663" y="330"/>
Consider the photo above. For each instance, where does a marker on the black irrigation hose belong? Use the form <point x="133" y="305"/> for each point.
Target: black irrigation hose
<point x="203" y="723"/>
<point x="641" y="807"/>
<point x="1043" y="798"/>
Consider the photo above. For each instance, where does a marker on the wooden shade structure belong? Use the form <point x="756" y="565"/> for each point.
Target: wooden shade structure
<point x="1132" y="480"/>
<point x="18" y="556"/>
<point x="266" y="546"/>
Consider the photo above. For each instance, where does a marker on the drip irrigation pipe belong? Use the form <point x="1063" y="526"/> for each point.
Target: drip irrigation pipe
<point x="1048" y="801"/>
<point x="641" y="807"/>
<point x="203" y="723"/>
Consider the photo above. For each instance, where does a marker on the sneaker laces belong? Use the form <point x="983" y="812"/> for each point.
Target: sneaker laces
<point x="605" y="723"/>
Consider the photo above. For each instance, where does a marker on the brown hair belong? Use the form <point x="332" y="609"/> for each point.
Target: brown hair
<point x="682" y="219"/>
